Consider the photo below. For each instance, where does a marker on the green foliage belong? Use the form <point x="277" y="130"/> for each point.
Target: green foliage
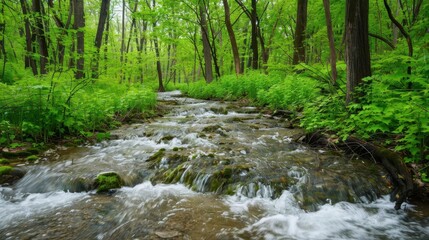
<point x="39" y="109"/>
<point x="232" y="87"/>
<point x="4" y="161"/>
<point x="292" y="93"/>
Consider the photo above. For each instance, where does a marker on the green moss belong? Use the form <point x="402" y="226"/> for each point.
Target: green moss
<point x="32" y="158"/>
<point x="157" y="156"/>
<point x="106" y="181"/>
<point x="4" y="161"/>
<point x="5" y="170"/>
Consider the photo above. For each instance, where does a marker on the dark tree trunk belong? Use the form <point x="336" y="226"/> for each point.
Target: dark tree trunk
<point x="158" y="60"/>
<point x="2" y="47"/>
<point x="104" y="12"/>
<point x="357" y="45"/>
<point x="79" y="24"/>
<point x="29" y="61"/>
<point x="40" y="34"/>
<point x="333" y="55"/>
<point x="301" y="25"/>
<point x="254" y="39"/>
<point x="106" y="41"/>
<point x="206" y="44"/>
<point x="235" y="53"/>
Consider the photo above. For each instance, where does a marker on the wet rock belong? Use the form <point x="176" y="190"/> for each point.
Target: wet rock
<point x="107" y="181"/>
<point x="9" y="175"/>
<point x="167" y="234"/>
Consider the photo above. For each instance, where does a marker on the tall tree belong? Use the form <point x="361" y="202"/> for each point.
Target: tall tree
<point x="231" y="35"/>
<point x="29" y="60"/>
<point x="104" y="12"/>
<point x="333" y="56"/>
<point x="64" y="29"/>
<point x="206" y="42"/>
<point x="301" y="25"/>
<point x="357" y="45"/>
<point x="40" y="36"/>
<point x="252" y="14"/>
<point x="79" y="24"/>
<point x="403" y="32"/>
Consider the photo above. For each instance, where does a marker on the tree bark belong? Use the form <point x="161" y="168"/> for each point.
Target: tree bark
<point x="252" y="14"/>
<point x="29" y="60"/>
<point x="333" y="55"/>
<point x="40" y="35"/>
<point x="301" y="25"/>
<point x="122" y="74"/>
<point x="206" y="44"/>
<point x="357" y="45"/>
<point x="79" y="24"/>
<point x="231" y="34"/>
<point x="104" y="12"/>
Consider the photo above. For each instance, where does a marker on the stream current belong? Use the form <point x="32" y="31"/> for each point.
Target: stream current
<point x="268" y="187"/>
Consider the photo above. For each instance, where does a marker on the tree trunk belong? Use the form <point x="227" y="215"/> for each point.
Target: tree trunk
<point x="206" y="44"/>
<point x="79" y="24"/>
<point x="301" y="25"/>
<point x="254" y="39"/>
<point x="235" y="53"/>
<point x="29" y="61"/>
<point x="40" y="34"/>
<point x="333" y="56"/>
<point x="158" y="59"/>
<point x="357" y="45"/>
<point x="64" y="32"/>
<point x="122" y="77"/>
<point x="404" y="33"/>
<point x="2" y="36"/>
<point x="104" y="12"/>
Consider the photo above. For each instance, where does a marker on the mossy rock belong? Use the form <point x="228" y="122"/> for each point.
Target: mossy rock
<point x="155" y="159"/>
<point x="10" y="175"/>
<point x="211" y="128"/>
<point x="107" y="181"/>
<point x="32" y="158"/>
<point x="5" y="170"/>
<point x="4" y="161"/>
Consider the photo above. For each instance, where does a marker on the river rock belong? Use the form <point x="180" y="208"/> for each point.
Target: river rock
<point x="167" y="234"/>
<point x="10" y="175"/>
<point x="107" y="181"/>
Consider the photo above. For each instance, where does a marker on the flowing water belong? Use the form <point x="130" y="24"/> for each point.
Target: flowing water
<point x="224" y="172"/>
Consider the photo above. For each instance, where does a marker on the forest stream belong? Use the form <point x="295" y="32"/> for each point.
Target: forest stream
<point x="206" y="170"/>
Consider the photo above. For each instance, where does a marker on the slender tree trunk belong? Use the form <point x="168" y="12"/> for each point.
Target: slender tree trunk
<point x="122" y="74"/>
<point x="79" y="24"/>
<point x="104" y="13"/>
<point x="333" y="56"/>
<point x="158" y="57"/>
<point x="235" y="53"/>
<point x="40" y="34"/>
<point x="404" y="33"/>
<point x="357" y="45"/>
<point x="29" y="61"/>
<point x="301" y="25"/>
<point x="254" y="38"/>
<point x="2" y="47"/>
<point x="106" y="41"/>
<point x="64" y="32"/>
<point x="206" y="44"/>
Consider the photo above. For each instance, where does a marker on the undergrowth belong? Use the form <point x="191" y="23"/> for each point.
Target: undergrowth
<point x="44" y="108"/>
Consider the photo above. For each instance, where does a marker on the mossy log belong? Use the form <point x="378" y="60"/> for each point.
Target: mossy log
<point x="391" y="161"/>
